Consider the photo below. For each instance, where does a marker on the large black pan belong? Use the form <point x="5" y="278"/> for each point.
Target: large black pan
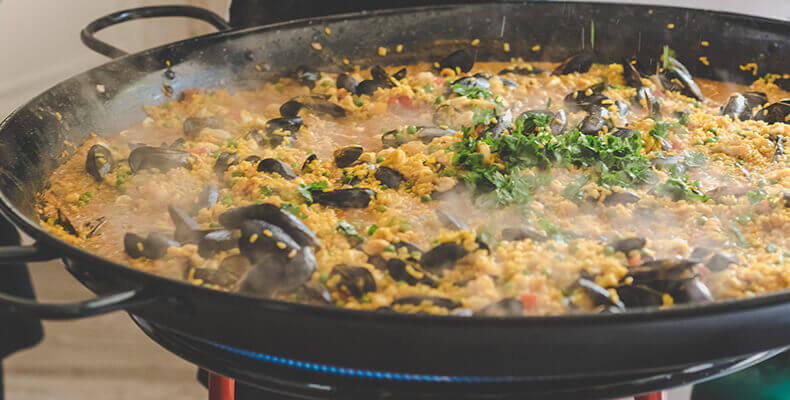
<point x="520" y="349"/>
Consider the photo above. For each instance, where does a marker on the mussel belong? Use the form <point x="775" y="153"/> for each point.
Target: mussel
<point x="206" y="198"/>
<point x="315" y="104"/>
<point x="347" y="155"/>
<point x="273" y="165"/>
<point x="503" y="123"/>
<point x="307" y="76"/>
<point x="163" y="159"/>
<point x="220" y="240"/>
<point x="624" y="197"/>
<point x="587" y="98"/>
<point x="368" y="87"/>
<point x="579" y="63"/>
<point x="381" y="76"/>
<point x="598" y="119"/>
<point x="389" y="177"/>
<point x="345" y="198"/>
<point x="557" y="126"/>
<point x="152" y="247"/>
<point x="264" y="242"/>
<point x="522" y="233"/>
<point x="352" y="280"/>
<point x="99" y="162"/>
<point x="775" y="113"/>
<point x="268" y="276"/>
<point x="224" y="161"/>
<point x="410" y="273"/>
<point x="63" y="221"/>
<point x="631" y="74"/>
<point x="737" y="108"/>
<point x="193" y="125"/>
<point x="525" y="70"/>
<point x="229" y="272"/>
<point x="460" y="59"/>
<point x="307" y="164"/>
<point x="677" y="78"/>
<point x="443" y="257"/>
<point x="346" y="81"/>
<point x="272" y="214"/>
<point x="449" y="221"/>
<point x="645" y="100"/>
<point x="480" y="82"/>
<point x="507" y="307"/>
<point x="187" y="229"/>
<point x="599" y="295"/>
<point x="755" y="98"/>
<point x="628" y="245"/>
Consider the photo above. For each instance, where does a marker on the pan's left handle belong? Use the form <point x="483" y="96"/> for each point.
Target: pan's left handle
<point x="10" y="255"/>
<point x="88" y="33"/>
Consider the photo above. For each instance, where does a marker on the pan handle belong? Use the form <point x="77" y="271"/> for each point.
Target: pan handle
<point x="88" y="33"/>
<point x="14" y="255"/>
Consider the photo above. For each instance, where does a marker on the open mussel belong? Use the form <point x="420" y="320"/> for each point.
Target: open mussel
<point x="268" y="276"/>
<point x="443" y="257"/>
<point x="163" y="159"/>
<point x="307" y="76"/>
<point x="713" y="260"/>
<point x="775" y="113"/>
<point x="347" y="155"/>
<point x="660" y="270"/>
<point x="272" y="214"/>
<point x="410" y="273"/>
<point x="737" y="108"/>
<point x="381" y="76"/>
<point x="347" y="82"/>
<point x="264" y="242"/>
<point x="450" y="222"/>
<point x="580" y="63"/>
<point x="631" y="74"/>
<point x="427" y="133"/>
<point x="307" y="166"/>
<point x="557" y="126"/>
<point x="502" y="124"/>
<point x="187" y="229"/>
<point x="63" y="221"/>
<point x="645" y="100"/>
<point x="224" y="161"/>
<point x="389" y="177"/>
<point x="352" y="280"/>
<point x="598" y="120"/>
<point x="525" y="70"/>
<point x="193" y="125"/>
<point x="522" y="233"/>
<point x="677" y="78"/>
<point x="755" y="98"/>
<point x="152" y="247"/>
<point x="624" y="197"/>
<point x="599" y="295"/>
<point x="316" y="104"/>
<point x="587" y="98"/>
<point x="345" y="198"/>
<point x="368" y="87"/>
<point x="460" y="59"/>
<point x="206" y="198"/>
<point x="480" y="82"/>
<point x="99" y="162"/>
<point x="273" y="165"/>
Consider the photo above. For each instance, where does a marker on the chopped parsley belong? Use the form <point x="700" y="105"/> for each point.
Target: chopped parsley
<point x="681" y="189"/>
<point x="265" y="190"/>
<point x="307" y="190"/>
<point x="695" y="159"/>
<point x="471" y="92"/>
<point x="349" y="231"/>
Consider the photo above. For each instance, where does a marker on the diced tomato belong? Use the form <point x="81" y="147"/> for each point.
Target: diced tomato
<point x="439" y="80"/>
<point x="529" y="300"/>
<point x="676" y="144"/>
<point x="634" y="260"/>
<point x="189" y="92"/>
<point x="199" y="150"/>
<point x="403" y="101"/>
<point x="341" y="93"/>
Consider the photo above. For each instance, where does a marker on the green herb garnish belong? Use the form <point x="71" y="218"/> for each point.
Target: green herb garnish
<point x="307" y="190"/>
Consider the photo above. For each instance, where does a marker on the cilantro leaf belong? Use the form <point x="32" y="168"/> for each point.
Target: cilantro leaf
<point x="307" y="190"/>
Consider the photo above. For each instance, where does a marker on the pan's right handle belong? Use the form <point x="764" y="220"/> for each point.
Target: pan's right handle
<point x="13" y="256"/>
<point x="88" y="33"/>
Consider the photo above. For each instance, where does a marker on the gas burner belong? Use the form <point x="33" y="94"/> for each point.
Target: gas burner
<point x="302" y="379"/>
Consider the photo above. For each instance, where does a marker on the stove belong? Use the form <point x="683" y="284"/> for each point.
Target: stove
<point x="286" y="378"/>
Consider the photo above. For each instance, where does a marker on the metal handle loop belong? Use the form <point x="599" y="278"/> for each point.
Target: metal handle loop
<point x="88" y="33"/>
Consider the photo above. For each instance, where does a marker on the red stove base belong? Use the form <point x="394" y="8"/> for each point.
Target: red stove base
<point x="221" y="387"/>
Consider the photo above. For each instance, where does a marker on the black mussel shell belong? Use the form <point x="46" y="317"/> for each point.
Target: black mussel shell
<point x="624" y="133"/>
<point x="411" y="248"/>
<point x="507" y="307"/>
<point x="381" y="76"/>
<point x="163" y="159"/>
<point x="450" y="222"/>
<point x="264" y="242"/>
<point x="193" y="125"/>
<point x="599" y="295"/>
<point x="99" y="162"/>
<point x="307" y="76"/>
<point x="207" y="198"/>
<point x="632" y="76"/>
<point x="508" y="82"/>
<point x="690" y="291"/>
<point x="579" y="63"/>
<point x="645" y="100"/>
<point x="471" y="81"/>
<point x="272" y="214"/>
<point x="737" y="108"/>
<point x="417" y="300"/>
<point x="152" y="247"/>
<point x="178" y="144"/>
<point x="660" y="270"/>
<point x="677" y="78"/>
<point x="253" y="159"/>
<point x="598" y="119"/>
<point x="503" y="123"/>
<point x="393" y="138"/>
<point x="443" y="257"/>
<point x="187" y="229"/>
<point x="345" y="198"/>
<point x="775" y="113"/>
<point x="63" y="221"/>
<point x="426" y="134"/>
<point x="287" y="124"/>
<point x="410" y="273"/>
<point x="273" y="165"/>
<point x="400" y="74"/>
<point x="368" y="87"/>
<point x="345" y="156"/>
<point x="587" y="98"/>
<point x="346" y="81"/>
<point x="224" y="161"/>
<point x="522" y="233"/>
<point x="755" y="98"/>
<point x="306" y="167"/>
<point x="229" y="272"/>
<point x="624" y="197"/>
<point x="628" y="245"/>
<point x="637" y="296"/>
<point x="389" y="177"/>
<point x="460" y="59"/>
<point x="315" y="104"/>
<point x="351" y="280"/>
<point x="268" y="276"/>
<point x="214" y="242"/>
<point x="312" y="293"/>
